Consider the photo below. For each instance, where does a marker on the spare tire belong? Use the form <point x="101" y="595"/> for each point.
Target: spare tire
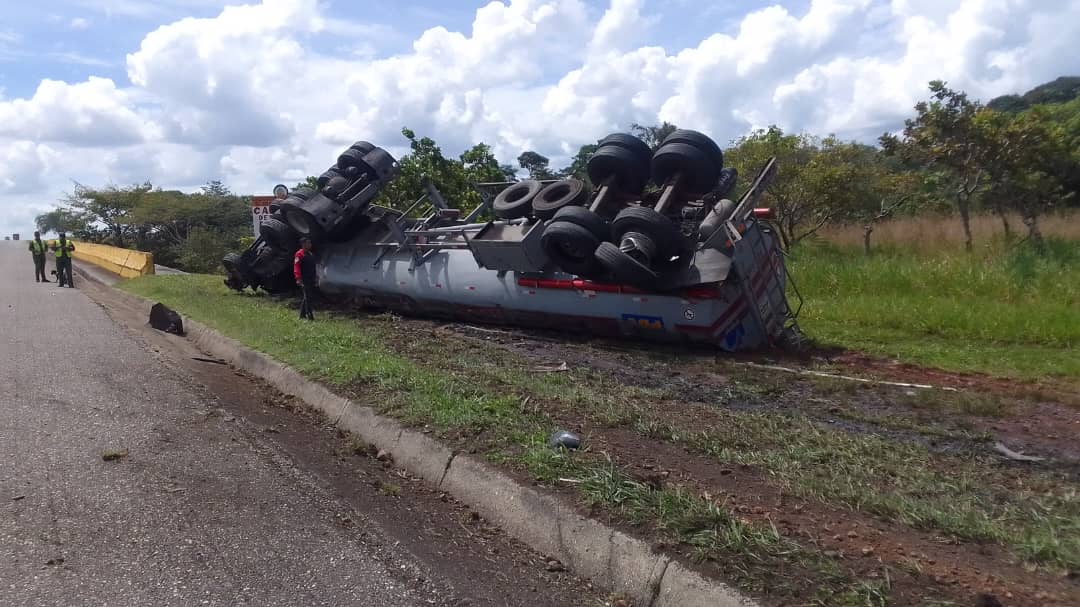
<point x="700" y="141"/>
<point x="516" y="200"/>
<point x="568" y="192"/>
<point x="302" y="193"/>
<point x="571" y="248"/>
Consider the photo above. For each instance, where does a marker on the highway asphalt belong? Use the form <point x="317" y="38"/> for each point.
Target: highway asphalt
<point x="194" y="510"/>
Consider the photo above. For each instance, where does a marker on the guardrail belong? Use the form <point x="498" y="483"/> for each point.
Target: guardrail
<point x="124" y="262"/>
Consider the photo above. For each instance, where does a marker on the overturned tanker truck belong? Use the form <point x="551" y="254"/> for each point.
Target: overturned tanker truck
<point x="655" y="250"/>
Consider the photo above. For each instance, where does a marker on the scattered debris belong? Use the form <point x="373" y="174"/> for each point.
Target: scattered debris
<point x="384" y="456"/>
<point x="564" y="439"/>
<point x="165" y="319"/>
<point x="554" y="565"/>
<point x="561" y="368"/>
<point x="1014" y="456"/>
<point x="17" y="498"/>
<point x="55" y="561"/>
<point x="849" y="378"/>
<point x="987" y="600"/>
<point x="209" y="360"/>
<point x="110" y="455"/>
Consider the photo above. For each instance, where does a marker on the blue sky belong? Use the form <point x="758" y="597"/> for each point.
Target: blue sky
<point x="180" y="92"/>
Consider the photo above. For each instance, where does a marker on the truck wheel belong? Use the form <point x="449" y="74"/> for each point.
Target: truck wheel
<point x="628" y="142"/>
<point x="516" y="200"/>
<point x="278" y="234"/>
<point x="571" y="248"/>
<point x="327" y="176"/>
<point x="728" y="178"/>
<point x="644" y="220"/>
<point x="623" y="168"/>
<point x="624" y="268"/>
<point x="595" y="224"/>
<point x="568" y="192"/>
<point x="353" y="158"/>
<point x="697" y="171"/>
<point x="362" y="146"/>
<point x="700" y="141"/>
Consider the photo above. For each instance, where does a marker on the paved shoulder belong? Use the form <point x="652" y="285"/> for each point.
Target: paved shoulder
<point x="191" y="512"/>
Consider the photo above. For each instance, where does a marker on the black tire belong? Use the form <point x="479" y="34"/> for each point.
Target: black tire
<point x="327" y="176"/>
<point x="353" y="158"/>
<point x="624" y="268"/>
<point x="647" y="221"/>
<point x="571" y="248"/>
<point x="278" y="233"/>
<point x="724" y="186"/>
<point x="639" y="246"/>
<point x="516" y="201"/>
<point x="700" y="141"/>
<point x="595" y="224"/>
<point x="568" y="192"/>
<point x="302" y="192"/>
<point x="628" y="142"/>
<point x="236" y="267"/>
<point x="620" y="168"/>
<point x="335" y="186"/>
<point x="697" y="173"/>
<point x="304" y="223"/>
<point x="362" y="146"/>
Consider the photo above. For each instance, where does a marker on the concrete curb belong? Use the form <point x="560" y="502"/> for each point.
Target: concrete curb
<point x="611" y="559"/>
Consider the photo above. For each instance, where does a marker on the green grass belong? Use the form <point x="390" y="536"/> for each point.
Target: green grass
<point x="489" y="397"/>
<point x="1009" y="312"/>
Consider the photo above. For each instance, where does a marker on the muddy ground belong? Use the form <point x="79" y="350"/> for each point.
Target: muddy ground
<point x="919" y="567"/>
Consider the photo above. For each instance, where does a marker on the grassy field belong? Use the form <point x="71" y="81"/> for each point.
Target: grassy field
<point x="477" y="394"/>
<point x="1004" y="310"/>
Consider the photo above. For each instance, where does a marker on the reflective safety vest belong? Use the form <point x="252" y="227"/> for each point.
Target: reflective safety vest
<point x="37" y="247"/>
<point x="63" y="249"/>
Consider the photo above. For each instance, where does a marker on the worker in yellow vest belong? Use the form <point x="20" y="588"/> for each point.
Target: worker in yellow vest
<point x="37" y="249"/>
<point x="63" y="248"/>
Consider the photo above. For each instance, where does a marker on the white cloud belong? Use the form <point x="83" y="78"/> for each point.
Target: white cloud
<point x="79" y="23"/>
<point x="91" y="113"/>
<point x="254" y="96"/>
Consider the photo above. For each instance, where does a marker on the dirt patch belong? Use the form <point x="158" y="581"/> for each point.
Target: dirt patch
<point x="918" y="566"/>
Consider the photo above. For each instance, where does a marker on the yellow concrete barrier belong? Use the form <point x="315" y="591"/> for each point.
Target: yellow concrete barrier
<point x="125" y="262"/>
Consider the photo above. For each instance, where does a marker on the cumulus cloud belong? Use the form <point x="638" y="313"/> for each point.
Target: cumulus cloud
<point x="270" y="91"/>
<point x="24" y="166"/>
<point x="92" y="113"/>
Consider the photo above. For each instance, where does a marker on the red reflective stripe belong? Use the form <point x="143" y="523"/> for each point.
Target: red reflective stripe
<point x="763" y="213"/>
<point x="701" y="293"/>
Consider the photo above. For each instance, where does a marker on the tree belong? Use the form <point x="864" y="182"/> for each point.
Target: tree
<point x="654" y="135"/>
<point x="579" y="164"/>
<point x="455" y="178"/>
<point x="310" y="181"/>
<point x="820" y="180"/>
<point x="63" y="220"/>
<point x="216" y="188"/>
<point x="537" y="166"/>
<point x="944" y="136"/>
<point x="109" y="207"/>
<point x="1030" y="168"/>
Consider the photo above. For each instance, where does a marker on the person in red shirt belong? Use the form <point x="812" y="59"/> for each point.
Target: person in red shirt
<point x="304" y="271"/>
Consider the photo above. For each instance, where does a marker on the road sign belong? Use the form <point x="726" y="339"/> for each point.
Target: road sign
<point x="260" y="211"/>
